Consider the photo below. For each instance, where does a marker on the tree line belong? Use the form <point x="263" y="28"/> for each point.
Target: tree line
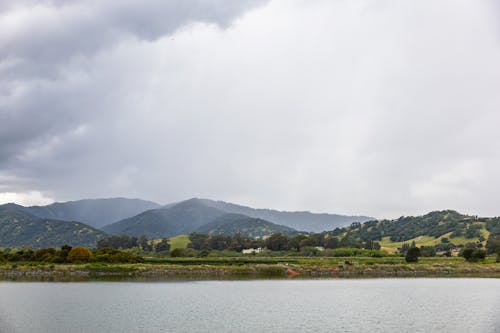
<point x="276" y="242"/>
<point x="68" y="254"/>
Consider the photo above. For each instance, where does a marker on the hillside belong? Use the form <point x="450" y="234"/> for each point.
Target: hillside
<point x="104" y="212"/>
<point x="193" y="216"/>
<point x="21" y="229"/>
<point x="182" y="218"/>
<point x="231" y="224"/>
<point x="303" y="221"/>
<point x="439" y="227"/>
<point x="94" y="212"/>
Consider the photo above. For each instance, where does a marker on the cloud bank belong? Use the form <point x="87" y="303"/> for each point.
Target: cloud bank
<point x="379" y="108"/>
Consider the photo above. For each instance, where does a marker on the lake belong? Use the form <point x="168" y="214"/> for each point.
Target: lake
<point x="335" y="305"/>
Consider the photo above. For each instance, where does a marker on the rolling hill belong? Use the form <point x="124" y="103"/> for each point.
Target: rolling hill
<point x="21" y="229"/>
<point x="434" y="228"/>
<point x="94" y="212"/>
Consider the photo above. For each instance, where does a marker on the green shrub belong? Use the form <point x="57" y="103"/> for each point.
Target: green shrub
<point x="45" y="255"/>
<point x="354" y="252"/>
<point x="309" y="251"/>
<point x="473" y="255"/>
<point x="79" y="254"/>
<point x="183" y="253"/>
<point x="111" y="255"/>
<point x="427" y="251"/>
<point x="412" y="254"/>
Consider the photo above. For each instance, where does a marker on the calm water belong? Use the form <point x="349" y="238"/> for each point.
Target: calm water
<point x="372" y="305"/>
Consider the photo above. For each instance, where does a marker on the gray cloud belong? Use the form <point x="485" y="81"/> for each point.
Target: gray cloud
<point x="44" y="43"/>
<point x="345" y="106"/>
<point x="55" y="31"/>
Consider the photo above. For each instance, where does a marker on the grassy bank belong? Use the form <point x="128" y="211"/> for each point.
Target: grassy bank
<point x="251" y="267"/>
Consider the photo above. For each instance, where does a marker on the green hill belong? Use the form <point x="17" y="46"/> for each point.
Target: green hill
<point x="431" y="229"/>
<point x="21" y="229"/>
<point x="182" y="218"/>
<point x="231" y="224"/>
<point x="193" y="215"/>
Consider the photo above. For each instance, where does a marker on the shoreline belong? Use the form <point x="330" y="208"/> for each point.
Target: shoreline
<point x="83" y="272"/>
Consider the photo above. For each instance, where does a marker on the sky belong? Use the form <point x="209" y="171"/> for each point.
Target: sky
<point x="382" y="108"/>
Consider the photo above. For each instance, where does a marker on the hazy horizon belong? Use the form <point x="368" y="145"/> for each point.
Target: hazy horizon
<point x="247" y="205"/>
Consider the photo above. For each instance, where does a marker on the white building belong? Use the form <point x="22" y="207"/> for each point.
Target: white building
<point x="251" y="251"/>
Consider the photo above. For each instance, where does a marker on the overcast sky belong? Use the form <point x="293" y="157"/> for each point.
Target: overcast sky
<point x="382" y="108"/>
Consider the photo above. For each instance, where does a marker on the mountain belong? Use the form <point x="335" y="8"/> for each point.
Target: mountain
<point x="18" y="228"/>
<point x="94" y="212"/>
<point x="231" y="224"/>
<point x="193" y="215"/>
<point x="304" y="221"/>
<point x="182" y="218"/>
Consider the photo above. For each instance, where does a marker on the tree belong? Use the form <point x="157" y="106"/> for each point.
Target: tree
<point x="427" y="251"/>
<point x="493" y="244"/>
<point x="332" y="243"/>
<point x="79" y="254"/>
<point x="404" y="248"/>
<point x="117" y="242"/>
<point x="277" y="242"/>
<point x="65" y="250"/>
<point x="109" y="254"/>
<point x="219" y="242"/>
<point x="198" y="241"/>
<point x="371" y="245"/>
<point x="47" y="255"/>
<point x="345" y="241"/>
<point x="473" y="255"/>
<point x="182" y="253"/>
<point x="412" y="254"/>
<point x="145" y="244"/>
<point x="163" y="245"/>
<point x="355" y="225"/>
<point x="312" y="240"/>
<point x="294" y="242"/>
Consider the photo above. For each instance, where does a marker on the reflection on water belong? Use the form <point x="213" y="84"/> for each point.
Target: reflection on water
<point x="371" y="305"/>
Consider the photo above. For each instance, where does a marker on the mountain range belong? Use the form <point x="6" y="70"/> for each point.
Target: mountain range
<point x="63" y="223"/>
<point x="67" y="222"/>
<point x="193" y="214"/>
<point x="94" y="212"/>
<point x="301" y="220"/>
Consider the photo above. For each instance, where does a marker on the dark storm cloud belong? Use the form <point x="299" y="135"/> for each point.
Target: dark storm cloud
<point x="42" y="44"/>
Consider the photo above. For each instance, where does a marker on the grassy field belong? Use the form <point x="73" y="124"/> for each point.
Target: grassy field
<point x="315" y="261"/>
<point x="392" y="247"/>
<point x="179" y="242"/>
